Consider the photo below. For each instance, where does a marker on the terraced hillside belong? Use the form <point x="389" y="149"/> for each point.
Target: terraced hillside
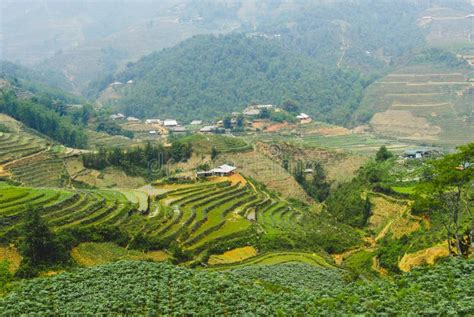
<point x="203" y="216"/>
<point x="61" y="208"/>
<point x="14" y="146"/>
<point x="201" y="219"/>
<point x="99" y="139"/>
<point x="423" y="103"/>
<point x="222" y="143"/>
<point x="261" y="168"/>
<point x="276" y="258"/>
<point x="44" y="169"/>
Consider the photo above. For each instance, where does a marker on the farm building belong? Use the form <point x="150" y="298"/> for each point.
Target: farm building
<point x="264" y="106"/>
<point x="196" y="122"/>
<point x="178" y="129"/>
<point x="153" y="121"/>
<point x="170" y="123"/>
<point x="304" y="118"/>
<point x="133" y="119"/>
<point x="223" y="170"/>
<point x="417" y="153"/>
<point x="208" y="129"/>
<point x="117" y="116"/>
<point x="251" y="112"/>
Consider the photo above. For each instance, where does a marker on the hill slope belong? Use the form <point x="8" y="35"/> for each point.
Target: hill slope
<point x="209" y="75"/>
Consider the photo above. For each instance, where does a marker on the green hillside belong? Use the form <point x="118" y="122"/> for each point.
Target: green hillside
<point x="208" y="76"/>
<point x="210" y="217"/>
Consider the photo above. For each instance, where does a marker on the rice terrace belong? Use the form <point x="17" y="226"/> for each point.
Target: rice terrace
<point x="237" y="158"/>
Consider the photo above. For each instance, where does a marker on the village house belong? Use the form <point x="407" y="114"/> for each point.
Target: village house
<point x="304" y="118"/>
<point x="133" y="119"/>
<point x="251" y="112"/>
<point x="170" y="123"/>
<point x="417" y="153"/>
<point x="208" y="129"/>
<point x="196" y="122"/>
<point x="223" y="170"/>
<point x="264" y="106"/>
<point x="153" y="121"/>
<point x="117" y="116"/>
<point x="178" y="129"/>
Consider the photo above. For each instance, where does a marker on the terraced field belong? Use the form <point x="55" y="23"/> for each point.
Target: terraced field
<point x="199" y="217"/>
<point x="44" y="169"/>
<point x="261" y="168"/>
<point x="273" y="258"/>
<point x="222" y="143"/>
<point x="98" y="139"/>
<point x="424" y="104"/>
<point x="17" y="145"/>
<point x="61" y="208"/>
<point x="210" y="214"/>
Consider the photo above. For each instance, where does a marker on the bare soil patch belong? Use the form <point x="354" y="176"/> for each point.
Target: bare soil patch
<point x="403" y="123"/>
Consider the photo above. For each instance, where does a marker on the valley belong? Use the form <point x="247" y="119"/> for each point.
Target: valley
<point x="257" y="158"/>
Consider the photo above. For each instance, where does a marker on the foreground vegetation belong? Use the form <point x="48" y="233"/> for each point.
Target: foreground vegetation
<point x="147" y="288"/>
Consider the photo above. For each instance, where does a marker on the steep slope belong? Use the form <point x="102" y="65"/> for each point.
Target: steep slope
<point x="207" y="76"/>
<point x="424" y="102"/>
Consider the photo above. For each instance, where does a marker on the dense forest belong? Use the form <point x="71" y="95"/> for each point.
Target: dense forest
<point x="35" y="114"/>
<point x="368" y="35"/>
<point x="211" y="75"/>
<point x="150" y="159"/>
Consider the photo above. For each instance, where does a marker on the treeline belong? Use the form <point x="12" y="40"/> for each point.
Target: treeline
<point x="210" y="75"/>
<point x="349" y="202"/>
<point x="312" y="178"/>
<point x="43" y="119"/>
<point x="148" y="160"/>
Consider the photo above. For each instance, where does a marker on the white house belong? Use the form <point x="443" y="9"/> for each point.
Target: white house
<point x="133" y="119"/>
<point x="223" y="170"/>
<point x="251" y="112"/>
<point x="178" y="129"/>
<point x="117" y="116"/>
<point x="264" y="106"/>
<point x="153" y="121"/>
<point x="196" y="122"/>
<point x="170" y="123"/>
<point x="304" y="118"/>
<point x="208" y="128"/>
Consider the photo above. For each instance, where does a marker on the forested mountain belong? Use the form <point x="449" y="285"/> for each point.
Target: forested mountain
<point x="209" y="75"/>
<point x="48" y="81"/>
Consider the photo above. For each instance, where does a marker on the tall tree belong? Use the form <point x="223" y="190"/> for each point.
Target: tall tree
<point x="39" y="246"/>
<point x="227" y="122"/>
<point x="446" y="190"/>
<point x="383" y="154"/>
<point x="290" y="106"/>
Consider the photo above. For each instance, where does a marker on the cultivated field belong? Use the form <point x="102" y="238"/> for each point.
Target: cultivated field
<point x="423" y="104"/>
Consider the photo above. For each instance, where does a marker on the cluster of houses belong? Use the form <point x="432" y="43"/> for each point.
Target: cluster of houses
<point x="255" y="110"/>
<point x="172" y="125"/>
<point x="419" y="153"/>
